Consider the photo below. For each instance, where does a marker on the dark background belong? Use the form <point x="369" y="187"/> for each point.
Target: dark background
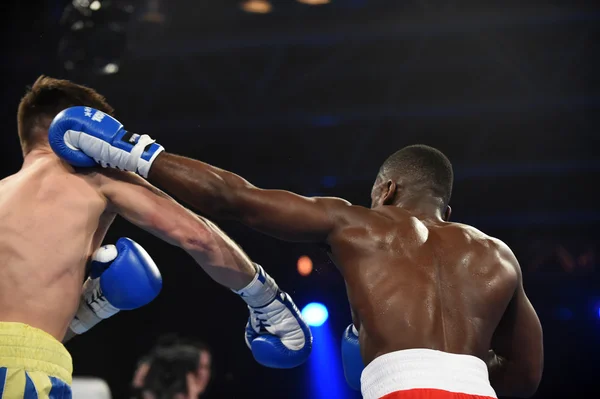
<point x="312" y="99"/>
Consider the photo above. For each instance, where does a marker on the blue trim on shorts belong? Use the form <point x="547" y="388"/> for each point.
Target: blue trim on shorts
<point x="30" y="391"/>
<point x="2" y="379"/>
<point x="60" y="390"/>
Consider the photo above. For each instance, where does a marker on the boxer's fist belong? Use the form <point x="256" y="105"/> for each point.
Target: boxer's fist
<point x="85" y="137"/>
<point x="351" y="358"/>
<point x="123" y="277"/>
<point x="277" y="334"/>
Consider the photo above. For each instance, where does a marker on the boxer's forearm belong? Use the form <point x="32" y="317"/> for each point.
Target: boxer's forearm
<point x="507" y="379"/>
<point x="206" y="188"/>
<point x="223" y="260"/>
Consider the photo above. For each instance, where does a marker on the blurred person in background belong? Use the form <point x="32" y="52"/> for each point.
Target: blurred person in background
<point x="176" y="368"/>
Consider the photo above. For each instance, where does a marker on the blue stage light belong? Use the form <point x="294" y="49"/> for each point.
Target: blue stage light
<point x="315" y="314"/>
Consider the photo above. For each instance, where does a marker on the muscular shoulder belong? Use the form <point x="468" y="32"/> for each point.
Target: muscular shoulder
<point x="89" y="175"/>
<point x="350" y="222"/>
<point x="381" y="227"/>
<point x="490" y="248"/>
<point x="342" y="212"/>
<point x="505" y="255"/>
<point x="104" y="181"/>
<point x="500" y="254"/>
<point x="108" y="179"/>
<point x="471" y="235"/>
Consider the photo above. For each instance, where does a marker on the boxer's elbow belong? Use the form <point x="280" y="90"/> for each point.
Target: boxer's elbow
<point x="532" y="374"/>
<point x="523" y="384"/>
<point x="526" y="389"/>
<point x="531" y="382"/>
<point x="518" y="379"/>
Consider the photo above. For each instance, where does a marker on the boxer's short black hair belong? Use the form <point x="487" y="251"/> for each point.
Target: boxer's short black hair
<point x="421" y="167"/>
<point x="45" y="99"/>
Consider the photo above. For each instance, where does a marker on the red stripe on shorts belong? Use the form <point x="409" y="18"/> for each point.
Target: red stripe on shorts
<point x="430" y="394"/>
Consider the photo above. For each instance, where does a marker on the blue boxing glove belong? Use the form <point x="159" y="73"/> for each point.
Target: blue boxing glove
<point x="123" y="277"/>
<point x="351" y="358"/>
<point x="275" y="332"/>
<point x="85" y="137"/>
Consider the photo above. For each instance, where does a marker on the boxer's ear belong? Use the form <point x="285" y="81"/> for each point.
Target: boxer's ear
<point x="447" y="213"/>
<point x="389" y="193"/>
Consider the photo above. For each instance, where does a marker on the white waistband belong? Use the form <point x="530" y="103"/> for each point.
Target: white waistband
<point x="425" y="368"/>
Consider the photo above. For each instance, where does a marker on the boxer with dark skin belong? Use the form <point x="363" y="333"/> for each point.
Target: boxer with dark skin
<point x="414" y="279"/>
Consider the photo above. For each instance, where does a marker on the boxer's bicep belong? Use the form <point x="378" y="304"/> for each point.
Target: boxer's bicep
<point x="153" y="210"/>
<point x="292" y="217"/>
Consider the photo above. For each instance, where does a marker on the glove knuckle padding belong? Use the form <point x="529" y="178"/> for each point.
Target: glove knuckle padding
<point x="266" y="348"/>
<point x="288" y="344"/>
<point x="133" y="280"/>
<point x="69" y="125"/>
<point x="85" y="137"/>
<point x="351" y="358"/>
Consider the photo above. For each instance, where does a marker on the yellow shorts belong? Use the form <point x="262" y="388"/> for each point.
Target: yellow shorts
<point x="33" y="364"/>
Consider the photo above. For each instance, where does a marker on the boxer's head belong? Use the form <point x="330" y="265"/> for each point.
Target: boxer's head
<point x="44" y="100"/>
<point x="413" y="177"/>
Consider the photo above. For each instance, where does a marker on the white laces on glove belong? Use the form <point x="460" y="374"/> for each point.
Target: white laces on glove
<point x="137" y="151"/>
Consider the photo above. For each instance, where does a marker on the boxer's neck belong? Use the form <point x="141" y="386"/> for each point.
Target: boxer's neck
<point x="40" y="151"/>
<point x="39" y="148"/>
<point x="422" y="207"/>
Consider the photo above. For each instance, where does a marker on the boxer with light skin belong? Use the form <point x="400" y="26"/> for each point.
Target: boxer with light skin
<point x="54" y="219"/>
<point x="439" y="309"/>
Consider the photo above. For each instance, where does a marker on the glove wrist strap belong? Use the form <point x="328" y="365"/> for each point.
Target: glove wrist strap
<point x="261" y="290"/>
<point x="136" y="152"/>
<point x="143" y="166"/>
<point x="93" y="307"/>
<point x="84" y="319"/>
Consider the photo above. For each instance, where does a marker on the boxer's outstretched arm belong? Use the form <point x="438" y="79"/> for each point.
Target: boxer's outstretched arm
<point x="154" y="211"/>
<point x="222" y="194"/>
<point x="516" y="360"/>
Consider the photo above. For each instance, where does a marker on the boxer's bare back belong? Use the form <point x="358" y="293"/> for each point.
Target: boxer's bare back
<point x="423" y="283"/>
<point x="51" y="221"/>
